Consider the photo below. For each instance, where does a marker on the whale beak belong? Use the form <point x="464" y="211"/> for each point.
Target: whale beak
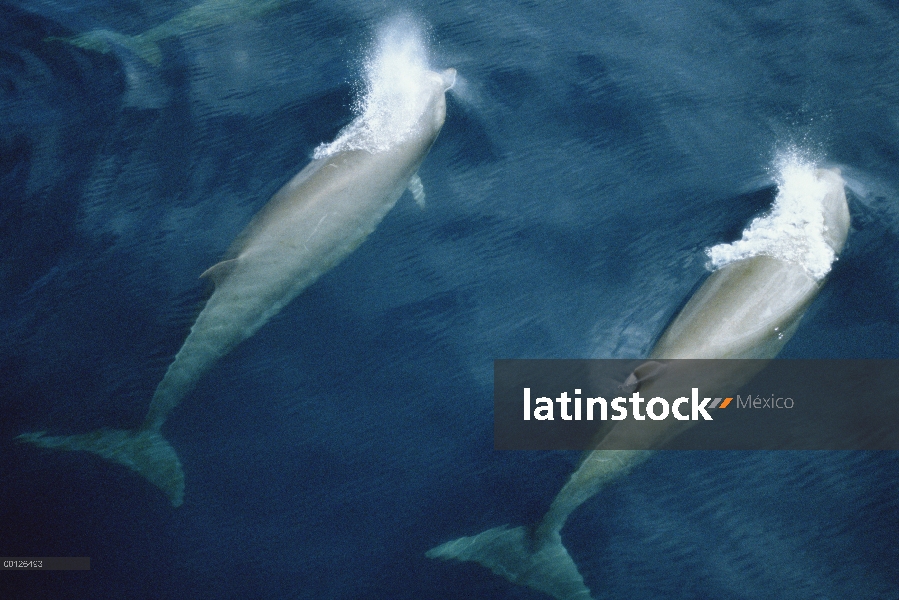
<point x="449" y="78"/>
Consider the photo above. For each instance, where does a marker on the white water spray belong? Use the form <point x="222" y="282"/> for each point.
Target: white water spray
<point x="396" y="92"/>
<point x="794" y="229"/>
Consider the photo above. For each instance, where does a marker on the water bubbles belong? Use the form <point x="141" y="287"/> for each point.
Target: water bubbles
<point x="794" y="229"/>
<point x="398" y="85"/>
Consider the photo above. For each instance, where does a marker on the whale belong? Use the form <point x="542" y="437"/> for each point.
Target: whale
<point x="205" y="15"/>
<point x="307" y="228"/>
<point x="748" y="308"/>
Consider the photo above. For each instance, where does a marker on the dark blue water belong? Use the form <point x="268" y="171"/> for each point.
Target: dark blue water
<point x="591" y="152"/>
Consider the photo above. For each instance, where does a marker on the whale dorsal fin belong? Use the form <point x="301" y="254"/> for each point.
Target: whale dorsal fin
<point x="219" y="271"/>
<point x="644" y="372"/>
<point x="418" y="190"/>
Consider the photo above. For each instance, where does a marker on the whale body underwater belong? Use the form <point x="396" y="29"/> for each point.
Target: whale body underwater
<point x="311" y="224"/>
<point x="749" y="308"/>
<point x="202" y="16"/>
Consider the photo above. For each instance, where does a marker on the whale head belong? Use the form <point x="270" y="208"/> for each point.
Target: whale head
<point x="403" y="100"/>
<point x="434" y="112"/>
<point x="448" y="78"/>
<point x="835" y="208"/>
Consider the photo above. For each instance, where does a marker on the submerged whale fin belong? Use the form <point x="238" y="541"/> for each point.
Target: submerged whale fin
<point x="104" y="40"/>
<point x="418" y="190"/>
<point x="219" y="271"/>
<point x="511" y="554"/>
<point x="144" y="451"/>
<point x="645" y="372"/>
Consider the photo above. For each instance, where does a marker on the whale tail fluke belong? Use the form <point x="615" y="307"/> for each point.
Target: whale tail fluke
<point x="105" y="41"/>
<point x="512" y="554"/>
<point x="144" y="451"/>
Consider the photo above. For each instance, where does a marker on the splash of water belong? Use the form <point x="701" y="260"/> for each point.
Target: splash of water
<point x="397" y="88"/>
<point x="794" y="229"/>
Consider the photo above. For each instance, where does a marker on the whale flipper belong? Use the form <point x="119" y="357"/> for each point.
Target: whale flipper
<point x="510" y="553"/>
<point x="144" y="451"/>
<point x="418" y="190"/>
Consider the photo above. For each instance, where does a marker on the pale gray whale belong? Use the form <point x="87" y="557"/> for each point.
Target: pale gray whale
<point x="311" y="224"/>
<point x="748" y="308"/>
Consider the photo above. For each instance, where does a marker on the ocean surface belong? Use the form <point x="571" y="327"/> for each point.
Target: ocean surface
<point x="592" y="152"/>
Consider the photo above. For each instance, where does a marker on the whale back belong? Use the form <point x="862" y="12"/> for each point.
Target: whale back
<point x="378" y="176"/>
<point x="750" y="308"/>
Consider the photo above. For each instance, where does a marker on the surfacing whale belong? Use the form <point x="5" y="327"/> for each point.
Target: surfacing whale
<point x="748" y="308"/>
<point x="311" y="224"/>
